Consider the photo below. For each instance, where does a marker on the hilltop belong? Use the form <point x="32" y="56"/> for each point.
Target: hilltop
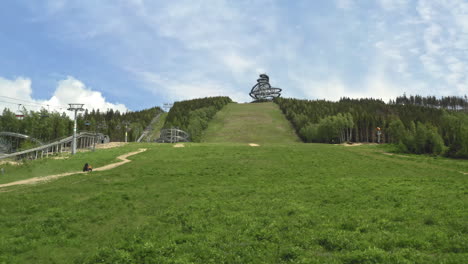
<point x="250" y="123"/>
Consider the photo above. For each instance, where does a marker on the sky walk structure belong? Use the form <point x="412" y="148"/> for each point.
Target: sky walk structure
<point x="263" y="90"/>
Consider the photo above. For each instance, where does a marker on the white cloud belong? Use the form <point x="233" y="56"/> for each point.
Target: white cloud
<point x="378" y="86"/>
<point x="344" y="4"/>
<point x="432" y="38"/>
<point x="428" y="50"/>
<point x="187" y="49"/>
<point x="72" y="90"/>
<point x="237" y="64"/>
<point x="189" y="87"/>
<point x="391" y="5"/>
<point x="207" y="40"/>
<point x="18" y="88"/>
<point x="374" y="86"/>
<point x="55" y="6"/>
<point x="390" y="56"/>
<point x="445" y="39"/>
<point x="432" y="65"/>
<point x="425" y="10"/>
<point x="69" y="90"/>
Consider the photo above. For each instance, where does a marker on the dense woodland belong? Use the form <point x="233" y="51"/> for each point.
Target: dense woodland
<point x="446" y="102"/>
<point x="113" y="123"/>
<point x="193" y="116"/>
<point x="437" y="126"/>
<point x="50" y="126"/>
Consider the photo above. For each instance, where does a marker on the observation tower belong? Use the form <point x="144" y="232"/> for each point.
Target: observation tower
<point x="263" y="90"/>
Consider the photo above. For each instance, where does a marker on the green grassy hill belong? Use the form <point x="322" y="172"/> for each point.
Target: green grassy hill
<point x="250" y="123"/>
<point x="155" y="132"/>
<point x="232" y="203"/>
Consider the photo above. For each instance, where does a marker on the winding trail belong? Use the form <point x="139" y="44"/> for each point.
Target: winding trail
<point x="34" y="180"/>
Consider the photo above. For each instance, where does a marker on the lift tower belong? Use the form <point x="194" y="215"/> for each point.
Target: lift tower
<point x="76" y="108"/>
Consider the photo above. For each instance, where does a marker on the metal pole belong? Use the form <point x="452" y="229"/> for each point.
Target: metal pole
<point x="126" y="123"/>
<point x="94" y="140"/>
<point x="74" y="135"/>
<point x="126" y="133"/>
<point x="76" y="108"/>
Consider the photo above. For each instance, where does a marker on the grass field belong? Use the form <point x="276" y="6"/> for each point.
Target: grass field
<point x="231" y="203"/>
<point x="250" y="123"/>
<point x="61" y="163"/>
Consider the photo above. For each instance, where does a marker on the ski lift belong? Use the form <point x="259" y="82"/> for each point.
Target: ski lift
<point x="19" y="114"/>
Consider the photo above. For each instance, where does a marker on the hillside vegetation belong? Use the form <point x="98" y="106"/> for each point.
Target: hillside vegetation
<point x="193" y="116"/>
<point x="416" y="125"/>
<point x="250" y="123"/>
<point x="156" y="129"/>
<point x="112" y="122"/>
<point x="49" y="126"/>
<point x="232" y="203"/>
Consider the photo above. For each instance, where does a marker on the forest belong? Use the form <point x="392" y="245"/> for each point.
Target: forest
<point x="414" y="124"/>
<point x="193" y="116"/>
<point x="445" y="102"/>
<point x="50" y="126"/>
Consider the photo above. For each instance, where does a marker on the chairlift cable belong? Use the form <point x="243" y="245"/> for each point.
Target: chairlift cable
<point x="29" y="105"/>
<point x="32" y="102"/>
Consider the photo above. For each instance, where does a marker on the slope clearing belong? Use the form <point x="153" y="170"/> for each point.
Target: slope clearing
<point x="156" y="129"/>
<point x="232" y="203"/>
<point x="245" y="123"/>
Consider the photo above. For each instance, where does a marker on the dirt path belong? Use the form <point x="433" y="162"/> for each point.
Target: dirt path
<point x="34" y="180"/>
<point x="110" y="145"/>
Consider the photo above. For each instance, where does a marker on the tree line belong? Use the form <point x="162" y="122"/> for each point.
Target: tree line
<point x="454" y="103"/>
<point x="114" y="123"/>
<point x="43" y="125"/>
<point x="49" y="126"/>
<point x="193" y="116"/>
<point x="413" y="128"/>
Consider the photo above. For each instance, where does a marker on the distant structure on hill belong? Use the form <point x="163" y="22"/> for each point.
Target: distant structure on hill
<point x="173" y="135"/>
<point x="263" y="90"/>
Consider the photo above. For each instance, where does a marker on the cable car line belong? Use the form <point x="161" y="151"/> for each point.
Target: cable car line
<point x="32" y="102"/>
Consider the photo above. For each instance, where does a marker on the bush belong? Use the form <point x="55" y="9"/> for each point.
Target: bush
<point x="421" y="139"/>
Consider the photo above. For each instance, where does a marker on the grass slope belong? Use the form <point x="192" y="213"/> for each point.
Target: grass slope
<point x="154" y="134"/>
<point x="250" y="123"/>
<point x="231" y="203"/>
<point x="62" y="163"/>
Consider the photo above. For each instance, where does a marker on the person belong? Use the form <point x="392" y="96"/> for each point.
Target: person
<point x="87" y="167"/>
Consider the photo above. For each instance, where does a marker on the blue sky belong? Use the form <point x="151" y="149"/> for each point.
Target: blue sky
<point x="137" y="54"/>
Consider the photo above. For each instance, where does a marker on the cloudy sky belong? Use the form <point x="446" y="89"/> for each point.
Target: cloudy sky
<point x="135" y="54"/>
